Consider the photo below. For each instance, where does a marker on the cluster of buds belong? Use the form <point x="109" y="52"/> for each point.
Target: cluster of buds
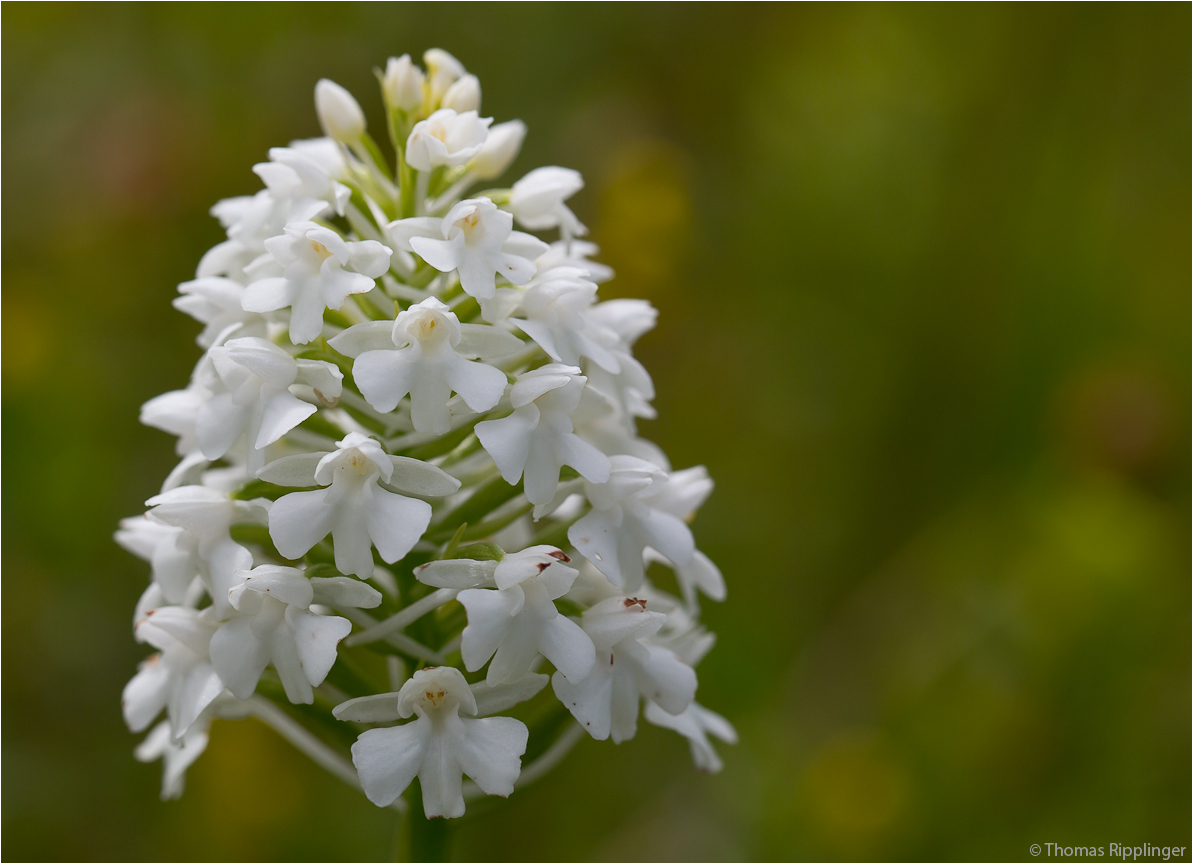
<point x="411" y="492"/>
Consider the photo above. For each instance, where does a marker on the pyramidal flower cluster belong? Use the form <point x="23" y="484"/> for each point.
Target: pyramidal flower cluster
<point x="411" y="495"/>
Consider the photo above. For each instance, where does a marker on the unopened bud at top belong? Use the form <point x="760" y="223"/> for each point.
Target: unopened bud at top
<point x="464" y="95"/>
<point x="402" y="85"/>
<point x="443" y="70"/>
<point x="499" y="150"/>
<point x="339" y="113"/>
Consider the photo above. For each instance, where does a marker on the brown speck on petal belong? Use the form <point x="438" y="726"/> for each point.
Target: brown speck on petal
<point x="559" y="556"/>
<point x="634" y="601"/>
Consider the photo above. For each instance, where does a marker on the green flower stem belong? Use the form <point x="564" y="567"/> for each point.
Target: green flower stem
<point x="422" y="839"/>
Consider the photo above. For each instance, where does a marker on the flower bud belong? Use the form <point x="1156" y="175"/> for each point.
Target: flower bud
<point x="402" y="85"/>
<point x="339" y="113"/>
<point x="464" y="95"/>
<point x="443" y="70"/>
<point x="499" y="150"/>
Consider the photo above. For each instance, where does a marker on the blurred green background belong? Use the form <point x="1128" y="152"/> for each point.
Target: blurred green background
<point x="924" y="275"/>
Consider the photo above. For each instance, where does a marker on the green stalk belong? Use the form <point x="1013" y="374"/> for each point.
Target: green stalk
<point x="420" y="838"/>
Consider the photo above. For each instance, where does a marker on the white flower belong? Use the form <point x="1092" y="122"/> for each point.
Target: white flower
<point x="175" y="412"/>
<point x="630" y="386"/>
<point x="696" y="723"/>
<point x="475" y="239"/>
<point x="215" y="301"/>
<point x="424" y="353"/>
<point x="537" y="438"/>
<point x="176" y="756"/>
<point x="576" y="253"/>
<point x="209" y="515"/>
<point x="320" y="270"/>
<point x="181" y="679"/>
<point x="257" y="403"/>
<point x="629" y="319"/>
<point x="519" y="620"/>
<point x="172" y="552"/>
<point x="304" y="175"/>
<point x="151" y="600"/>
<point x="626" y="517"/>
<point x="446" y="138"/>
<point x="402" y="85"/>
<point x="339" y="112"/>
<point x="603" y="421"/>
<point x="630" y="389"/>
<point x="537" y="200"/>
<point x="557" y="306"/>
<point x="683" y="493"/>
<point x="499" y="150"/>
<point x="699" y="574"/>
<point x="250" y="221"/>
<point x="439" y="746"/>
<point x="354" y="509"/>
<point x="605" y="702"/>
<point x="463" y="95"/>
<point x="276" y="625"/>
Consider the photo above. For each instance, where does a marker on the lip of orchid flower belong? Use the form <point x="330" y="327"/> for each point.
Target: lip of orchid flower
<point x="338" y="457"/>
